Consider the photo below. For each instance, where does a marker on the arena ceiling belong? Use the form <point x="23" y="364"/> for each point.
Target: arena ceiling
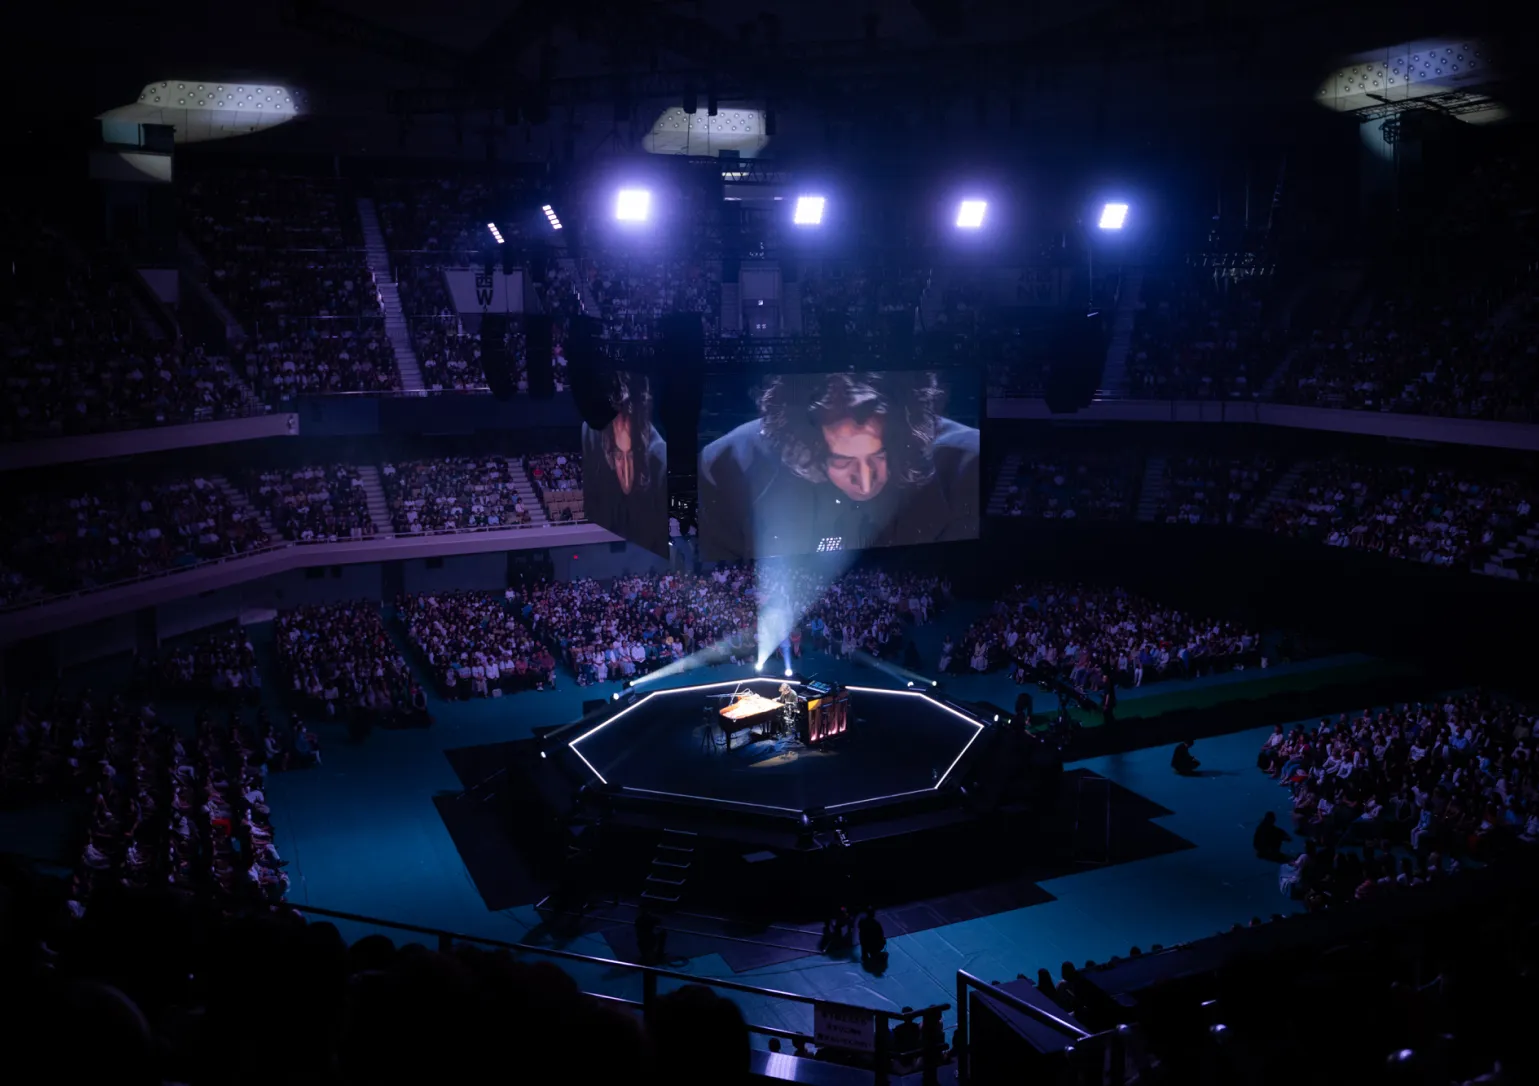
<point x="586" y="76"/>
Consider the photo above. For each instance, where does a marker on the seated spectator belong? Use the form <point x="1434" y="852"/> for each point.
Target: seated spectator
<point x="454" y="494"/>
<point x="66" y="540"/>
<point x="479" y="639"/>
<point x="286" y="255"/>
<point x="1095" y="637"/>
<point x="83" y="355"/>
<point x="339" y="660"/>
<point x="1213" y="489"/>
<point x="1069" y="486"/>
<point x="314" y="504"/>
<point x="1444" y="517"/>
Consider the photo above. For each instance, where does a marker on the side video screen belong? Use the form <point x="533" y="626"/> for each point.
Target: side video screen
<point x="625" y="467"/>
<point x="803" y="463"/>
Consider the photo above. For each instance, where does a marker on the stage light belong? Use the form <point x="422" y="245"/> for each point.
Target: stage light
<point x="616" y="695"/>
<point x="1113" y="216"/>
<point x="911" y="683"/>
<point x="970" y="214"/>
<point x="759" y="666"/>
<point x="934" y="682"/>
<point x="542" y="754"/>
<point x="788" y="673"/>
<point x="809" y="211"/>
<point x="996" y="718"/>
<point x="633" y="205"/>
<point x="497" y="234"/>
<point x="550" y="216"/>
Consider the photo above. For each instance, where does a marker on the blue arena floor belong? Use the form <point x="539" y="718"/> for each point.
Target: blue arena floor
<point x="362" y="835"/>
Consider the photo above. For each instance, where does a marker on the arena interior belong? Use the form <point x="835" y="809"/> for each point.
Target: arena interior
<point x="688" y="543"/>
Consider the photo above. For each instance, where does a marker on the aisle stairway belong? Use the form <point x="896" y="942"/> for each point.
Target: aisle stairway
<point x="526" y="490"/>
<point x="1114" y="373"/>
<point x="374" y="492"/>
<point x="1517" y="558"/>
<point x="589" y="305"/>
<point x="194" y="279"/>
<point x="237" y="498"/>
<point x="999" y="499"/>
<point x="396" y="328"/>
<point x="1280" y="492"/>
<point x="1151" y="495"/>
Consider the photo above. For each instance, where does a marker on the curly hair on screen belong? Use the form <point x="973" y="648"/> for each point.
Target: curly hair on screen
<point x="630" y="396"/>
<point x="793" y="411"/>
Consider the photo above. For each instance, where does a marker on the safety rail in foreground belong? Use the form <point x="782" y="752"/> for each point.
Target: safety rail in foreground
<point x="1094" y="1058"/>
<point x="927" y="1060"/>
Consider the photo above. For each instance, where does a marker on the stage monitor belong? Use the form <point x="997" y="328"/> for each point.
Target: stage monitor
<point x="820" y="462"/>
<point x="625" y="466"/>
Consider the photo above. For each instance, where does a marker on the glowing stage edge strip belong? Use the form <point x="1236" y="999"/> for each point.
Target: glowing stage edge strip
<point x="765" y="679"/>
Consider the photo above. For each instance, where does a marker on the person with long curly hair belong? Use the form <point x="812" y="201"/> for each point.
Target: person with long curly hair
<point x="625" y="467"/>
<point x="840" y="461"/>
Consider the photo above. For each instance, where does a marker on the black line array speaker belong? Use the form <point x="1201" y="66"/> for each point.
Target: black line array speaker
<point x="585" y="372"/>
<point x="681" y="369"/>
<point x="494" y="355"/>
<point x="539" y="349"/>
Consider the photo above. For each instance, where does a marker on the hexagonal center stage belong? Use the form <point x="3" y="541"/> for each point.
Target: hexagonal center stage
<point x="670" y="745"/>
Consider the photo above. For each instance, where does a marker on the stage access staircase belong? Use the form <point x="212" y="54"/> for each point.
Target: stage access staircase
<point x="1114" y="373"/>
<point x="1151" y="495"/>
<point x="1281" y="491"/>
<point x="672" y="863"/>
<point x="396" y="329"/>
<point x="999" y="499"/>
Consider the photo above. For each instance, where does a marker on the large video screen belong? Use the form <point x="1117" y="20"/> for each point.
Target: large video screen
<point x="625" y="467"/>
<point x="816" y="462"/>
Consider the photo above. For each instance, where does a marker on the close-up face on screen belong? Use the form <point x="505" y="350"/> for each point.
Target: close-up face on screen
<point x="625" y="467"/>
<point x="820" y="462"/>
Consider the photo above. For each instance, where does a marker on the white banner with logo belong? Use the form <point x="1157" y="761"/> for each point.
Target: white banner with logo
<point x="476" y="291"/>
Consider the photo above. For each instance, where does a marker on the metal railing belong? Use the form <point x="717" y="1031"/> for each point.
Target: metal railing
<point x="928" y="1057"/>
<point x="275" y="545"/>
<point x="1099" y="1058"/>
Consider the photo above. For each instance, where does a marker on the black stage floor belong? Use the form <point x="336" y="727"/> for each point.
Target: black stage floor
<point x="724" y="915"/>
<point x="896" y="744"/>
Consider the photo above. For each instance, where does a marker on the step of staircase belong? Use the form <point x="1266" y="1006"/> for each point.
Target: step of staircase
<point x="999" y="500"/>
<point x="1114" y="372"/>
<point x="238" y="498"/>
<point x="532" y="502"/>
<point x="1152" y="491"/>
<point x="396" y="328"/>
<point x="374" y="493"/>
<point x="1281" y="491"/>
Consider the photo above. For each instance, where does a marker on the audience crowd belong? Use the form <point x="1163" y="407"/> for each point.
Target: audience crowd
<point x="632" y="290"/>
<point x="314" y="504"/>
<point x="66" y="539"/>
<point x="285" y="254"/>
<point x="454" y="494"/>
<point x="1213" y="489"/>
<point x="1199" y="333"/>
<point x="1049" y="485"/>
<point x="338" y="659"/>
<point x="557" y="480"/>
<point x="220" y="662"/>
<point x="1096" y="637"/>
<point x="82" y="355"/>
<point x="167" y="986"/>
<point x="476" y="644"/>
<point x="1451" y="780"/>
<point x="1444" y="517"/>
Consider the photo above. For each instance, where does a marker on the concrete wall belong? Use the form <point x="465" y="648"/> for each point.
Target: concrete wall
<point x="484" y="571"/>
<point x="600" y="561"/>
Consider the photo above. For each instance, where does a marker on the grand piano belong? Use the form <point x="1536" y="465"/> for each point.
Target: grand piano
<point x="747" y="712"/>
